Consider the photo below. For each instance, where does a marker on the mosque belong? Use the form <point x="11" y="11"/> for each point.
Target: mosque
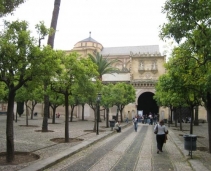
<point x="140" y="66"/>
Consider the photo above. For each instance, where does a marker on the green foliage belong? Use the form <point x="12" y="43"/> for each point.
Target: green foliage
<point x="31" y="91"/>
<point x="20" y="55"/>
<point x="16" y="45"/>
<point x="181" y="86"/>
<point x="107" y="96"/>
<point x="3" y="92"/>
<point x="87" y="93"/>
<point x="104" y="64"/>
<point x="123" y="94"/>
<point x="120" y="95"/>
<point x="22" y="61"/>
<point x="184" y="17"/>
<point x="55" y="99"/>
<point x="8" y="6"/>
<point x="190" y="21"/>
<point x="74" y="73"/>
<point x="43" y="31"/>
<point x="165" y="94"/>
<point x="75" y="79"/>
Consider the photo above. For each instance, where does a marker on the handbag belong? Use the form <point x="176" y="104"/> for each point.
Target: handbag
<point x="156" y="130"/>
<point x="166" y="138"/>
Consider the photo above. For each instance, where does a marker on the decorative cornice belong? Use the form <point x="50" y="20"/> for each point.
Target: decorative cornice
<point x="145" y="54"/>
<point x="115" y="82"/>
<point x="144" y="83"/>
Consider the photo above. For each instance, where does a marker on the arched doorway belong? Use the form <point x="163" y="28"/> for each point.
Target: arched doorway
<point x="147" y="104"/>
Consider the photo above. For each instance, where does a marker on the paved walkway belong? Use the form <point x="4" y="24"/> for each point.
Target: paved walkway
<point x="27" y="139"/>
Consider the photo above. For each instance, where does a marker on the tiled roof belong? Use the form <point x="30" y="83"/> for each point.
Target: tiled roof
<point x="151" y="49"/>
<point x="89" y="39"/>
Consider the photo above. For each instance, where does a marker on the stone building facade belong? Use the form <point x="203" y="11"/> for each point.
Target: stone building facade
<point x="140" y="66"/>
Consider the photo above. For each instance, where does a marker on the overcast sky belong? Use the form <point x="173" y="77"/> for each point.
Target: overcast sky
<point x="113" y="23"/>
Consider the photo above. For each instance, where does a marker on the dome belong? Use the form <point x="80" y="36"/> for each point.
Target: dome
<point x="89" y="43"/>
<point x="89" y="39"/>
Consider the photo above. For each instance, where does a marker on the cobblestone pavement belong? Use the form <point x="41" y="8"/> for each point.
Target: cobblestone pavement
<point x="201" y="159"/>
<point x="135" y="152"/>
<point x="136" y="149"/>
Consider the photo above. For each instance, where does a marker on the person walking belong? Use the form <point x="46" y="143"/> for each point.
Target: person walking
<point x="150" y="119"/>
<point x="145" y="118"/>
<point x="126" y="120"/>
<point x="160" y="130"/>
<point x="155" y="119"/>
<point x="135" y="122"/>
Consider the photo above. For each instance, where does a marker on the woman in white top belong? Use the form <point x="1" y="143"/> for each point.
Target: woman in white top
<point x="161" y="135"/>
<point x="117" y="127"/>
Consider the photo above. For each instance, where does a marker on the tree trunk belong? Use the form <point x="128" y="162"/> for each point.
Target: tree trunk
<point x="71" y="114"/>
<point x="27" y="114"/>
<point x="180" y="118"/>
<point x="121" y="115"/>
<point x="196" y="118"/>
<point x="34" y="103"/>
<point x="107" y="117"/>
<point x="98" y="117"/>
<point x="191" y="121"/>
<point x="117" y="114"/>
<point x="171" y="116"/>
<point x="16" y="115"/>
<point x="51" y="43"/>
<point x="9" y="128"/>
<point x="95" y="122"/>
<point x="66" y="118"/>
<point x="54" y="115"/>
<point x="54" y="20"/>
<point x="176" y="117"/>
<point x="208" y="107"/>
<point x="82" y="111"/>
<point x="32" y="116"/>
<point x="46" y="111"/>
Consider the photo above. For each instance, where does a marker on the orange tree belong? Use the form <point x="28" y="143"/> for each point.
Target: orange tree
<point x="75" y="73"/>
<point x="21" y="61"/>
<point x="122" y="94"/>
<point x="190" y="21"/>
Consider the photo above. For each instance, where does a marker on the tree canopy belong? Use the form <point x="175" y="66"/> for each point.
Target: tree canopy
<point x="21" y="61"/>
<point x="8" y="6"/>
<point x="105" y="66"/>
<point x="189" y="24"/>
<point x="76" y="73"/>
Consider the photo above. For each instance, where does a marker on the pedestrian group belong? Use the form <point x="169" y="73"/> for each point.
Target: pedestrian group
<point x="160" y="129"/>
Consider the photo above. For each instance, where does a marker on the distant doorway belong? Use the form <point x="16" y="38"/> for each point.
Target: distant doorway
<point x="147" y="103"/>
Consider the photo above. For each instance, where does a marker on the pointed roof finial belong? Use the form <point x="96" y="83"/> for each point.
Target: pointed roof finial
<point x="90" y="34"/>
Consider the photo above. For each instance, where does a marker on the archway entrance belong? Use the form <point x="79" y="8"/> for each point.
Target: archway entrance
<point x="147" y="104"/>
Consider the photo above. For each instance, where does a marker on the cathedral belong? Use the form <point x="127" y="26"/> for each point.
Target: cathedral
<point x="140" y="66"/>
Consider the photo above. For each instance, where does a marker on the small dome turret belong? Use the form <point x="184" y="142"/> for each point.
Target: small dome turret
<point x="88" y="43"/>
